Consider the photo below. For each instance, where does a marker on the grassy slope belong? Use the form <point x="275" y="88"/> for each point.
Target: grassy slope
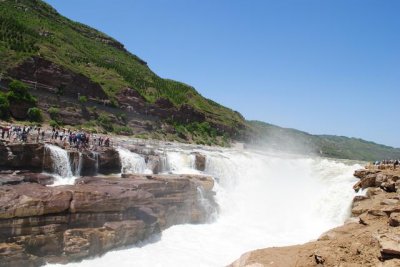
<point x="325" y="145"/>
<point x="32" y="27"/>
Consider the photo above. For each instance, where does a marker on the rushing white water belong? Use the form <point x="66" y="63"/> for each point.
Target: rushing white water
<point x="132" y="162"/>
<point x="180" y="162"/>
<point x="264" y="201"/>
<point x="61" y="165"/>
<point x="77" y="165"/>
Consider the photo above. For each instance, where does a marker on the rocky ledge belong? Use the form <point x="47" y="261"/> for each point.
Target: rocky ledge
<point x="371" y="237"/>
<point x="40" y="224"/>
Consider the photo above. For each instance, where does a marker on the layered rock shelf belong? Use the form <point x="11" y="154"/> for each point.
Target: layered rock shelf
<point x="59" y="224"/>
<point x="371" y="237"/>
<point x="97" y="214"/>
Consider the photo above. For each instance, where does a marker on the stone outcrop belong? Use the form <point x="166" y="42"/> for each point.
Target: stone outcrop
<point x="21" y="156"/>
<point x="56" y="77"/>
<point x="109" y="161"/>
<point x="17" y="177"/>
<point x="33" y="157"/>
<point x="200" y="161"/>
<point x="371" y="237"/>
<point x="67" y="223"/>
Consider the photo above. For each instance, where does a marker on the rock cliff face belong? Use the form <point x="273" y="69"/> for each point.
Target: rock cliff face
<point x="67" y="223"/>
<point x="56" y="77"/>
<point x="34" y="158"/>
<point x="21" y="156"/>
<point x="371" y="237"/>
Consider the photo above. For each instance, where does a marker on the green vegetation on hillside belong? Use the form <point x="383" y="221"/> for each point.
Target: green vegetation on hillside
<point x="33" y="28"/>
<point x="270" y="136"/>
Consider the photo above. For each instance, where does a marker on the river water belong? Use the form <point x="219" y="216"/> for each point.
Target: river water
<point x="265" y="200"/>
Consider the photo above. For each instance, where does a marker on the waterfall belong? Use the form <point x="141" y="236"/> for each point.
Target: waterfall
<point x="264" y="200"/>
<point x="77" y="165"/>
<point x="60" y="164"/>
<point x="163" y="163"/>
<point x="96" y="158"/>
<point x="181" y="162"/>
<point x="132" y="162"/>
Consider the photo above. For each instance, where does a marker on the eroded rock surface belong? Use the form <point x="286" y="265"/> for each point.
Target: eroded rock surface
<point x="97" y="214"/>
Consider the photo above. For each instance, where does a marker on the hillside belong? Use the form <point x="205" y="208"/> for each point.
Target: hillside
<point x="270" y="136"/>
<point x="64" y="60"/>
<point x="74" y="75"/>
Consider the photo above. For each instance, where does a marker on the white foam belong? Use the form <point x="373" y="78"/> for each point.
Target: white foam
<point x="264" y="201"/>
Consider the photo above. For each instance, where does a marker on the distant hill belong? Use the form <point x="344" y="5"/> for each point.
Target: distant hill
<point x="270" y="136"/>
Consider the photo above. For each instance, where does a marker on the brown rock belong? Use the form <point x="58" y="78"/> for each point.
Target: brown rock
<point x="13" y="255"/>
<point x="109" y="161"/>
<point x="390" y="245"/>
<point x="55" y="76"/>
<point x="394" y="219"/>
<point x="361" y="173"/>
<point x="98" y="214"/>
<point x="39" y="178"/>
<point x="21" y="156"/>
<point x="19" y="110"/>
<point x="200" y="162"/>
<point x="26" y="200"/>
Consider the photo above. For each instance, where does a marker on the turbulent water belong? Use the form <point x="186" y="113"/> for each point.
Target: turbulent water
<point x="62" y="170"/>
<point x="265" y="200"/>
<point x="132" y="162"/>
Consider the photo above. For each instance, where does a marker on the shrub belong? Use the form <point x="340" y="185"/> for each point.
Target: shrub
<point x="35" y="114"/>
<point x="121" y="116"/>
<point x="104" y="121"/>
<point x="53" y="123"/>
<point x="19" y="92"/>
<point x="123" y="130"/>
<point x="54" y="113"/>
<point x="83" y="99"/>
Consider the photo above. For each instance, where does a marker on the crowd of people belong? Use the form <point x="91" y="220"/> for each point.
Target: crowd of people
<point x="65" y="137"/>
<point x="387" y="164"/>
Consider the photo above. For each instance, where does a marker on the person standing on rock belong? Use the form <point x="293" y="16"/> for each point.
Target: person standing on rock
<point x="396" y="162"/>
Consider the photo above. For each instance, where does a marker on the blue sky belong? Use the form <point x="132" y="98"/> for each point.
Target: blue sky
<point x="322" y="66"/>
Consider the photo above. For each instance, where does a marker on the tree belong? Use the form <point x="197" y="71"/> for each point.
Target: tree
<point x="35" y="114"/>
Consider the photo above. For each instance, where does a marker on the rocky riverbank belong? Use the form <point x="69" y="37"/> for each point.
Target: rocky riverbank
<point x="67" y="223"/>
<point x="371" y="237"/>
<point x="41" y="223"/>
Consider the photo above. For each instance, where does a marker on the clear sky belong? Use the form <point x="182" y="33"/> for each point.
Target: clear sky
<point x="322" y="66"/>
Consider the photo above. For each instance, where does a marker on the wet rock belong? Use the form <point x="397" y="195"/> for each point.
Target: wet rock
<point x="13" y="255"/>
<point x="98" y="214"/>
<point x="39" y="178"/>
<point x="10" y="179"/>
<point x="200" y="161"/>
<point x="109" y="161"/>
<point x="89" y="163"/>
<point x="153" y="163"/>
<point x="21" y="156"/>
